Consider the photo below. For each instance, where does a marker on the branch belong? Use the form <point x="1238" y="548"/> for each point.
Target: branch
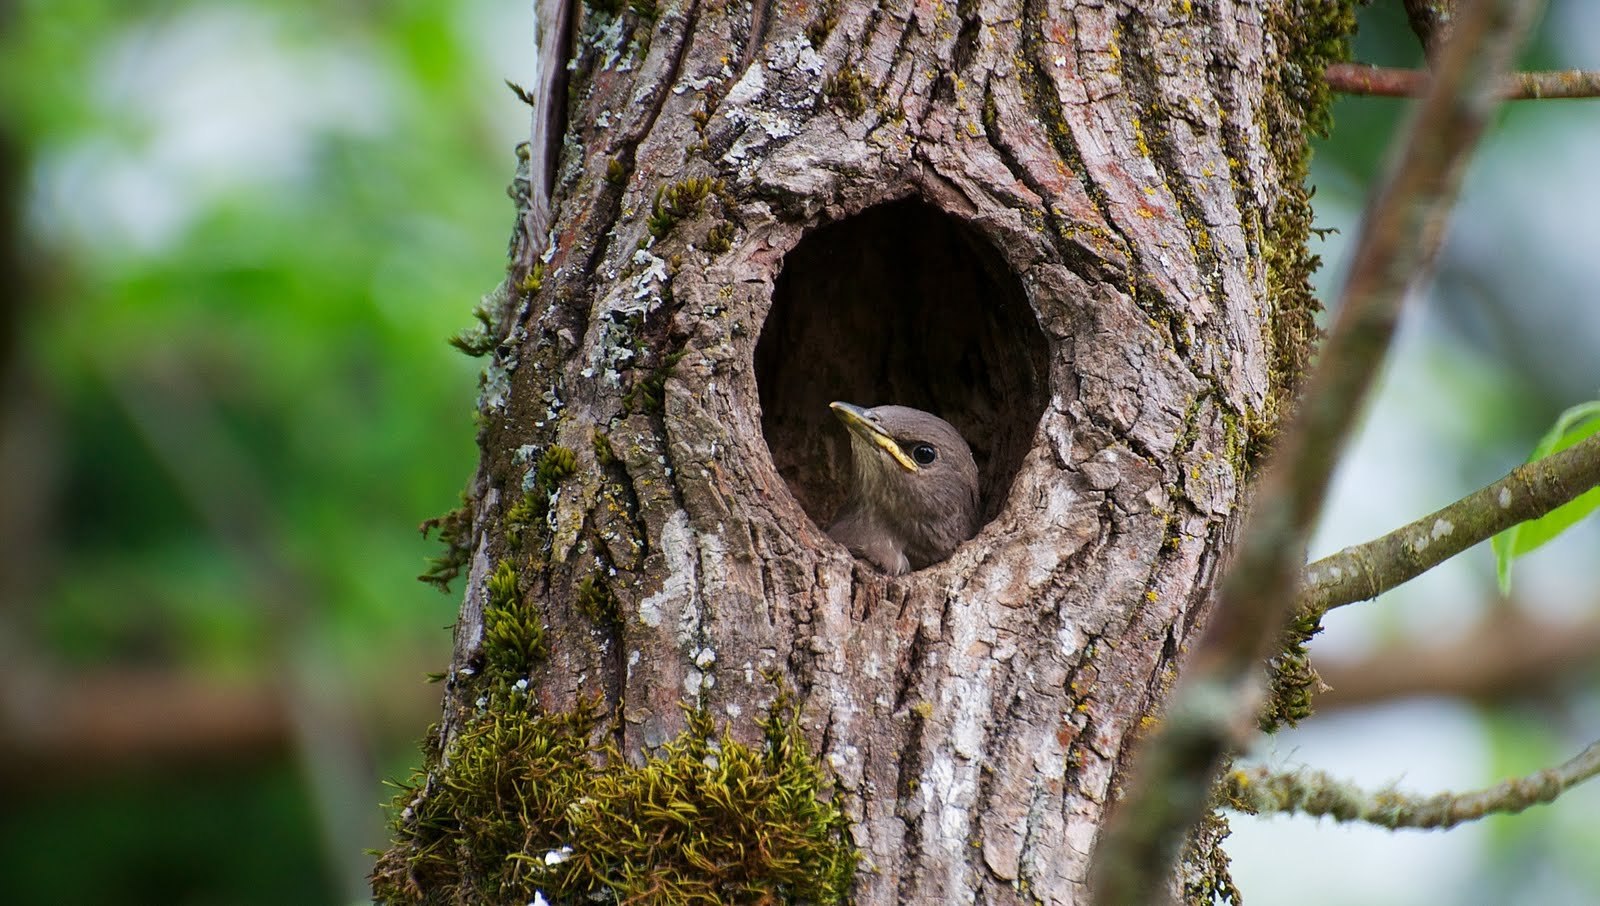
<point x="1215" y="705"/>
<point x="59" y="728"/>
<point x="1383" y="81"/>
<point x="1430" y="20"/>
<point x="1259" y="790"/>
<point x="1531" y="490"/>
<point x="554" y="20"/>
<point x="1507" y="653"/>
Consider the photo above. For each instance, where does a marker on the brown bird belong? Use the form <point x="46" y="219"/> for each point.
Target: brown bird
<point x="913" y="490"/>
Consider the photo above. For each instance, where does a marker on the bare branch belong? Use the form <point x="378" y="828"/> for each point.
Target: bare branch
<point x="1215" y="706"/>
<point x="555" y="20"/>
<point x="1261" y="791"/>
<point x="59" y="727"/>
<point x="1431" y="20"/>
<point x="1383" y="81"/>
<point x="1506" y="654"/>
<point x="1530" y="490"/>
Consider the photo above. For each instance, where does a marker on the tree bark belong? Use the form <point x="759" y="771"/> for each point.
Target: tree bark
<point x="1076" y="231"/>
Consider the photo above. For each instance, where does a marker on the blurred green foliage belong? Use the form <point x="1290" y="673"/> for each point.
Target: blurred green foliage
<point x="301" y="318"/>
<point x="1576" y="424"/>
<point x="254" y="226"/>
<point x="234" y="836"/>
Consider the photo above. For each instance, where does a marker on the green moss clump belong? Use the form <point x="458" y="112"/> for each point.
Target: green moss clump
<point x="529" y="510"/>
<point x="525" y="97"/>
<point x="678" y="201"/>
<point x="511" y="778"/>
<point x="847" y="88"/>
<point x="1203" y="866"/>
<point x="533" y="280"/>
<point x="597" y="601"/>
<point x="479" y="339"/>
<point x="711" y="820"/>
<point x="528" y="802"/>
<point x="1291" y="680"/>
<point x="818" y="29"/>
<point x="455" y="531"/>
<point x="493" y="316"/>
<point x="513" y="633"/>
<point x="650" y="392"/>
<point x="556" y="465"/>
<point x="719" y="238"/>
<point x="603" y="454"/>
<point x="1312" y="34"/>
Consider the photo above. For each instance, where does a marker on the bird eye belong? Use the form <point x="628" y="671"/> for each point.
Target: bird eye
<point x="924" y="454"/>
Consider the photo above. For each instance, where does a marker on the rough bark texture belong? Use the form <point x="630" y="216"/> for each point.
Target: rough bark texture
<point x="1047" y="221"/>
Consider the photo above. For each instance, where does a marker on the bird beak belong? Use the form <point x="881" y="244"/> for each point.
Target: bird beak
<point x="861" y="424"/>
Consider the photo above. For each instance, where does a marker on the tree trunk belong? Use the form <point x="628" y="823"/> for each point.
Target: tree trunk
<point x="1076" y="231"/>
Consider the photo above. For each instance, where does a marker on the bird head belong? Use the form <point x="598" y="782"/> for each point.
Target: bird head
<point x="914" y="487"/>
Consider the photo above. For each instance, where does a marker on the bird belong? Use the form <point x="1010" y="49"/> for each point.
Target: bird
<point x="913" y="490"/>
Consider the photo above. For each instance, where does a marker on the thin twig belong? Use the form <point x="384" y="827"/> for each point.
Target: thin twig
<point x="1383" y="81"/>
<point x="1261" y="791"/>
<point x="1214" y="708"/>
<point x="1531" y="490"/>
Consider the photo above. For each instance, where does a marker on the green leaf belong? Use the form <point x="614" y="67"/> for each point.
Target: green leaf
<point x="1575" y="424"/>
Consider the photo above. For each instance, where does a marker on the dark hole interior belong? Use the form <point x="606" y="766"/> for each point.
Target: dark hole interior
<point x="899" y="304"/>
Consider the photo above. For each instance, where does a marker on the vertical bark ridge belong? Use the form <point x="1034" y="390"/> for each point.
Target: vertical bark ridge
<point x="1047" y="106"/>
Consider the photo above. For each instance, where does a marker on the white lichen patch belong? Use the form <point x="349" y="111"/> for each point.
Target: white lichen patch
<point x="1068" y="639"/>
<point x="693" y="682"/>
<point x="796" y="55"/>
<point x="1505" y="498"/>
<point x="1442" y="528"/>
<point x="679" y="586"/>
<point x="646" y="286"/>
<point x="606" y="37"/>
<point x="553" y="404"/>
<point x="495" y="387"/>
<point x="946" y="793"/>
<point x="842" y="760"/>
<point x="699" y="84"/>
<point x="771" y="101"/>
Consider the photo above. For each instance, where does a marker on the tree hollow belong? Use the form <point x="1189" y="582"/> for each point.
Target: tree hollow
<point x="901" y="304"/>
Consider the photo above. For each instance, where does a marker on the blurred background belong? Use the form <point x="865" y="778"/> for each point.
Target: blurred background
<point x="1444" y="684"/>
<point x="234" y="238"/>
<point x="238" y="237"/>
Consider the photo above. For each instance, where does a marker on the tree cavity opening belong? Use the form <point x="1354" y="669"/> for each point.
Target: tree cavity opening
<point x="899" y="304"/>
